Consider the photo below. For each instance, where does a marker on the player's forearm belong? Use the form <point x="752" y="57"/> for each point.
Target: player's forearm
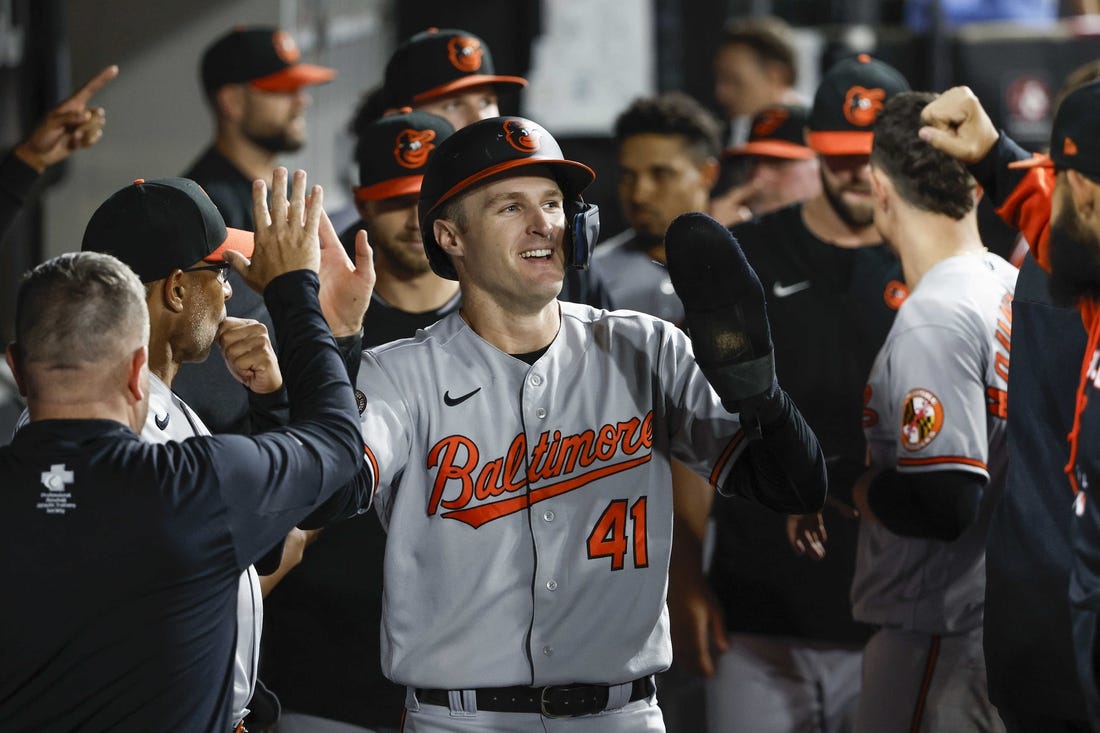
<point x="938" y="505"/>
<point x="785" y="468"/>
<point x="322" y="406"/>
<point x="1021" y="196"/>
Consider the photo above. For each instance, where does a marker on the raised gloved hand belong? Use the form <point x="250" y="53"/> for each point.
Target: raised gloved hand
<point x="726" y="315"/>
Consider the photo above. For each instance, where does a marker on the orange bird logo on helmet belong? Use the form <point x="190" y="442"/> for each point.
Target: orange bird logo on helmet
<point x="465" y="53"/>
<point x="521" y="137"/>
<point x="862" y="105"/>
<point x="412" y="147"/>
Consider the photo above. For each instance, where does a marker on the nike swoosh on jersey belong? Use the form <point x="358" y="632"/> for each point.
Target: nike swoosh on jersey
<point x="162" y="425"/>
<point x="782" y="291"/>
<point x="452" y="401"/>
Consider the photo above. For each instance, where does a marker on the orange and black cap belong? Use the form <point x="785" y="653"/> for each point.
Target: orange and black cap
<point x="162" y="225"/>
<point x="777" y="132"/>
<point x="263" y="56"/>
<point x="436" y="62"/>
<point x="847" y="103"/>
<point x="393" y="152"/>
<point x="1074" y="143"/>
<point x="480" y="151"/>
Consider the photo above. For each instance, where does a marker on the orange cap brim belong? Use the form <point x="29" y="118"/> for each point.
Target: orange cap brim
<point x="404" y="186"/>
<point x="841" y="142"/>
<point x="1037" y="160"/>
<point x="509" y="165"/>
<point x="773" y="149"/>
<point x="237" y="240"/>
<point x="466" y="82"/>
<point x="294" y="77"/>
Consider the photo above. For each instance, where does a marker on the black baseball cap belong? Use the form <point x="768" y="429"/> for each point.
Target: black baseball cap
<point x="847" y="103"/>
<point x="437" y="62"/>
<point x="162" y="225"/>
<point x="777" y="132"/>
<point x="480" y="151"/>
<point x="1074" y="143"/>
<point x="393" y="152"/>
<point x="264" y="56"/>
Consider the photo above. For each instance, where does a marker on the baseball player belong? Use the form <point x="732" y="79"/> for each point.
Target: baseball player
<point x="129" y="554"/>
<point x="1030" y="650"/>
<point x="668" y="147"/>
<point x="520" y="449"/>
<point x="934" y="417"/>
<point x="321" y="642"/>
<point x="791" y="651"/>
<point x="446" y="72"/>
<point x="450" y="73"/>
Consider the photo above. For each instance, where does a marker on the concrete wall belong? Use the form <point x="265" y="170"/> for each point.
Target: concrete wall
<point x="158" y="120"/>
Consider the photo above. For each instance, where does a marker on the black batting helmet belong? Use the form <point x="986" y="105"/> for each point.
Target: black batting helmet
<point x="481" y="150"/>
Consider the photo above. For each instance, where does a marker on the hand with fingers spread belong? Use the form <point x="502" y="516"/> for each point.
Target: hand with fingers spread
<point x="249" y="355"/>
<point x="68" y="126"/>
<point x="286" y="236"/>
<point x="345" y="287"/>
<point x="956" y="123"/>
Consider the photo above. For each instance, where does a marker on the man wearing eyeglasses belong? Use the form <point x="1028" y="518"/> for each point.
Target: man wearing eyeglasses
<point x="186" y="290"/>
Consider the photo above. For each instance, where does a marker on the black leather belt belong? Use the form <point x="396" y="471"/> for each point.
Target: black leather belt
<point x="552" y="701"/>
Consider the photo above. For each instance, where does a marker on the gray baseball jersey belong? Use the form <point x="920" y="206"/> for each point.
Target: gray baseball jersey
<point x="170" y="419"/>
<point x="634" y="280"/>
<point x="529" y="507"/>
<point x="936" y="399"/>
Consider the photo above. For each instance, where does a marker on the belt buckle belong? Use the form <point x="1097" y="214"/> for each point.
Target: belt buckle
<point x="544" y="702"/>
<point x="548" y="705"/>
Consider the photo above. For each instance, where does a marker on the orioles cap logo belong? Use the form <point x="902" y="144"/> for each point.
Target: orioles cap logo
<point x="921" y="419"/>
<point x="411" y="148"/>
<point x="862" y="105"/>
<point x="769" y="121"/>
<point x="285" y="47"/>
<point x="465" y="53"/>
<point x="1069" y="147"/>
<point x="521" y="137"/>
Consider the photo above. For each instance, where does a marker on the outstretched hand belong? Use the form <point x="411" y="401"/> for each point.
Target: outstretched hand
<point x="286" y="236"/>
<point x="956" y="123"/>
<point x="68" y="126"/>
<point x="345" y="287"/>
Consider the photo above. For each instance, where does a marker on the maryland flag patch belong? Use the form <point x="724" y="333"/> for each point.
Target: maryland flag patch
<point x="921" y="419"/>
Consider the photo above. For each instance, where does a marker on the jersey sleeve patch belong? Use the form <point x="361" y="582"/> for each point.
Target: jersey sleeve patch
<point x="921" y="418"/>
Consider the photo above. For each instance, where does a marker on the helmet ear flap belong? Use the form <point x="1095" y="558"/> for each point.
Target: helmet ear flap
<point x="583" y="220"/>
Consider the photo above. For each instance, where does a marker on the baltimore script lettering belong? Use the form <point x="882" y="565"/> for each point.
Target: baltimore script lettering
<point x="554" y="456"/>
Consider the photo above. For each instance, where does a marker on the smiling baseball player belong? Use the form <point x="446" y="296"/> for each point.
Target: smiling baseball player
<point x="521" y="449"/>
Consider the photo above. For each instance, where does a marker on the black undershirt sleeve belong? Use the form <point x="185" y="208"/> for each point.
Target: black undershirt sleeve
<point x="938" y="505"/>
<point x="783" y="469"/>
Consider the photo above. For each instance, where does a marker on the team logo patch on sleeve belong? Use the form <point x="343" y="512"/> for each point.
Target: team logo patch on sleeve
<point x="360" y="401"/>
<point x="921" y="419"/>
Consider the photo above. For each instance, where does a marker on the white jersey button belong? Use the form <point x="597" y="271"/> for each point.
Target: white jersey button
<point x="540" y="413"/>
<point x="551" y="585"/>
<point x="536" y="379"/>
<point x="547" y="651"/>
<point x="548" y="515"/>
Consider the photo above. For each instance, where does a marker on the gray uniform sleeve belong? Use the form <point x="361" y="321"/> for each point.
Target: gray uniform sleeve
<point x="938" y="375"/>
